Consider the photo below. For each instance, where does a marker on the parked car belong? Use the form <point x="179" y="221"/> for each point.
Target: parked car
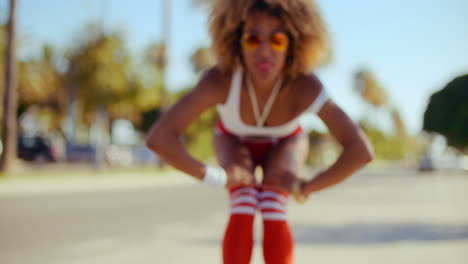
<point x="131" y="156"/>
<point x="35" y="148"/>
<point x="80" y="153"/>
<point x="426" y="163"/>
<point x="144" y="156"/>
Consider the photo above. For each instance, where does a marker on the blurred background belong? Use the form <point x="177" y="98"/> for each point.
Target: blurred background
<point x="92" y="76"/>
<point x="85" y="79"/>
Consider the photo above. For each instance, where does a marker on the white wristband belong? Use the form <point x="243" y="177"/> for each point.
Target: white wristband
<point x="215" y="176"/>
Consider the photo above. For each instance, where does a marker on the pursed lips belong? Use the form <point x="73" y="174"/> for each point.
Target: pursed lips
<point x="264" y="65"/>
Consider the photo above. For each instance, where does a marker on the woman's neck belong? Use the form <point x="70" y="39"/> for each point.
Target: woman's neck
<point x="264" y="86"/>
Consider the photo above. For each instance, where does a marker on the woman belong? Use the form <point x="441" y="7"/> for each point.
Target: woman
<point x="261" y="84"/>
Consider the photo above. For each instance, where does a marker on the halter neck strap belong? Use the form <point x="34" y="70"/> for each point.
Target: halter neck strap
<point x="260" y="118"/>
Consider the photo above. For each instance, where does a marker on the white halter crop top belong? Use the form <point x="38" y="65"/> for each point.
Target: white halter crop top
<point x="229" y="113"/>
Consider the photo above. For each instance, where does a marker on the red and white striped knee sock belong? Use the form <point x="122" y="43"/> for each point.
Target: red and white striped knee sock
<point x="238" y="238"/>
<point x="278" y="244"/>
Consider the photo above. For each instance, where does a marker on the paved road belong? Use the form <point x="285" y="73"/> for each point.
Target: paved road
<point x="393" y="217"/>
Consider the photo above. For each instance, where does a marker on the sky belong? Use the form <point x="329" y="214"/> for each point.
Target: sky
<point x="413" y="47"/>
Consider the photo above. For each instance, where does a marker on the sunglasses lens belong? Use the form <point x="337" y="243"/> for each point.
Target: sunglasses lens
<point x="279" y="41"/>
<point x="251" y="41"/>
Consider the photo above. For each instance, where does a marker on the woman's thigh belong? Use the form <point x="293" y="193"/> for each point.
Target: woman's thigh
<point x="285" y="161"/>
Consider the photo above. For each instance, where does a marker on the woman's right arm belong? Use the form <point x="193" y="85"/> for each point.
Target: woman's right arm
<point x="164" y="136"/>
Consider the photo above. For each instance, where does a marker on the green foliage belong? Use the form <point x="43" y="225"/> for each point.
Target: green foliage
<point x="155" y="55"/>
<point x="155" y="62"/>
<point x="2" y="64"/>
<point x="318" y="142"/>
<point x="99" y="73"/>
<point x="147" y="119"/>
<point x="133" y="102"/>
<point x="396" y="146"/>
<point x="202" y="59"/>
<point x="39" y="83"/>
<point x="100" y="69"/>
<point x="447" y="113"/>
<point x="400" y="127"/>
<point x="42" y="85"/>
<point x="386" y="147"/>
<point x="199" y="136"/>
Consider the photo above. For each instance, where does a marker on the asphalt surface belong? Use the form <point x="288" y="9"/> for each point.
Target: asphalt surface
<point x="395" y="216"/>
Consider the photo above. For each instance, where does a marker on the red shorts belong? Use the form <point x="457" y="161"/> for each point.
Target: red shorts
<point x="258" y="146"/>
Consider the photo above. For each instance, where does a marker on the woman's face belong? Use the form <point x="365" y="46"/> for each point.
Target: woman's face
<point x="264" y="46"/>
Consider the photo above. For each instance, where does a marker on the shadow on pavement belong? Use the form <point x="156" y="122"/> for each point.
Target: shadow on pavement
<point x="364" y="234"/>
<point x="368" y="234"/>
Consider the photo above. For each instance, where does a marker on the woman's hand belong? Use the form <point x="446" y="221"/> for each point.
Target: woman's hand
<point x="239" y="176"/>
<point x="288" y="182"/>
<point x="322" y="180"/>
<point x="280" y="181"/>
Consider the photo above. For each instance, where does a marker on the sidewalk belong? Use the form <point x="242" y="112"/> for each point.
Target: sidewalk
<point x="389" y="217"/>
<point x="89" y="180"/>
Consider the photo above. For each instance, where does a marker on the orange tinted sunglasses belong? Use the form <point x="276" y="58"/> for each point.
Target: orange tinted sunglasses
<point x="278" y="41"/>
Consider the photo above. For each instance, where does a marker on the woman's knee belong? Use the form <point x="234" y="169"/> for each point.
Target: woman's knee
<point x="230" y="152"/>
<point x="279" y="179"/>
<point x="288" y="155"/>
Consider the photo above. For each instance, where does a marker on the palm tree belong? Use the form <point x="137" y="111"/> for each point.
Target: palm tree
<point x="398" y="123"/>
<point x="98" y="82"/>
<point x="10" y="98"/>
<point x="202" y="59"/>
<point x="369" y="89"/>
<point x="40" y="84"/>
<point x="167" y="16"/>
<point x="372" y="92"/>
<point x="2" y="67"/>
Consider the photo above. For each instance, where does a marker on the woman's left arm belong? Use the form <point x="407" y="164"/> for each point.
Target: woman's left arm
<point x="357" y="150"/>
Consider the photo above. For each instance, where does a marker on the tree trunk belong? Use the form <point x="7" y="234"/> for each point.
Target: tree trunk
<point x="100" y="136"/>
<point x="10" y="103"/>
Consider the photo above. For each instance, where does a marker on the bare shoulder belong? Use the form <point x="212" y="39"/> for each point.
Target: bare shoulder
<point x="214" y="84"/>
<point x="307" y="87"/>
